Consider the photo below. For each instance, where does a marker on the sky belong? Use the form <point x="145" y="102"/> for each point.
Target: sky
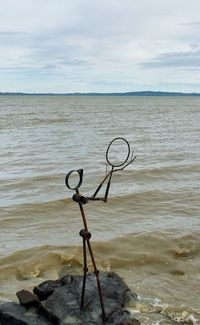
<point x="65" y="46"/>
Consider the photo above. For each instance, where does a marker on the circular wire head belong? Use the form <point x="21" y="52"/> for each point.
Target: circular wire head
<point x="80" y="179"/>
<point x="120" y="147"/>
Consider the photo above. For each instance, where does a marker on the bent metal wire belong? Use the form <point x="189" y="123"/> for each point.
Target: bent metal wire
<point x="81" y="200"/>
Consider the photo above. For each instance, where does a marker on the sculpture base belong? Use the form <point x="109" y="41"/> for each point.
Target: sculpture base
<point x="58" y="302"/>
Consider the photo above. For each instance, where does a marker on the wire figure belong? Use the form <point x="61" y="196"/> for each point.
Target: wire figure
<point x="81" y="200"/>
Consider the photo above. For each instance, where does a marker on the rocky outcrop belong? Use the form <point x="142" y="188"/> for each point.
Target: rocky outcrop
<point x="58" y="302"/>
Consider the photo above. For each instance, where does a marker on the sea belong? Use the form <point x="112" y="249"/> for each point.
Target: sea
<point x="147" y="231"/>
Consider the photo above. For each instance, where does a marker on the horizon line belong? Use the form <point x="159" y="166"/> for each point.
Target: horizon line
<point x="126" y="93"/>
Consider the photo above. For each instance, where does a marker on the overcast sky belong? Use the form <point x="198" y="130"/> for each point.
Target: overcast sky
<point x="99" y="45"/>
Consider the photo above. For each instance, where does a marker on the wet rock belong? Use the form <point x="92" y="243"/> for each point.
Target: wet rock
<point x="27" y="299"/>
<point x="65" y="300"/>
<point x="46" y="288"/>
<point x="14" y="314"/>
<point x="130" y="322"/>
<point x="62" y="303"/>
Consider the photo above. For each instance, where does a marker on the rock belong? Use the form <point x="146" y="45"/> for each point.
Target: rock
<point x="130" y="322"/>
<point x="46" y="288"/>
<point x="64" y="302"/>
<point x="14" y="314"/>
<point x="63" y="299"/>
<point x="27" y="299"/>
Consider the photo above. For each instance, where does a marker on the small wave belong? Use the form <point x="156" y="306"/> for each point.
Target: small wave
<point x="49" y="121"/>
<point x="160" y="171"/>
<point x="38" y="261"/>
<point x="41" y="205"/>
<point x="31" y="181"/>
<point x="154" y="311"/>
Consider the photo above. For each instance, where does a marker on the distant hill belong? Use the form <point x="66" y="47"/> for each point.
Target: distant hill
<point x="131" y="93"/>
<point x="137" y="93"/>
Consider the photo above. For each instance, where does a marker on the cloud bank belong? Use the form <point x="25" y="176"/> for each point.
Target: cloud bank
<point x="70" y="46"/>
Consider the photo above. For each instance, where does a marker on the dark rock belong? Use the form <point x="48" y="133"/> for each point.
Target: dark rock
<point x="44" y="290"/>
<point x="14" y="314"/>
<point x="130" y="322"/>
<point x="63" y="300"/>
<point x="27" y="299"/>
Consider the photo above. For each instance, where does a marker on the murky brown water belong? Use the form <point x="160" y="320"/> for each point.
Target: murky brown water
<point x="148" y="231"/>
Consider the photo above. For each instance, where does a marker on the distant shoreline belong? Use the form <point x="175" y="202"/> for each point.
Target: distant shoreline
<point x="134" y="93"/>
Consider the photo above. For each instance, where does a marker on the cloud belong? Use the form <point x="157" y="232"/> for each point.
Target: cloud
<point x="195" y="23"/>
<point x="188" y="59"/>
<point x="10" y="33"/>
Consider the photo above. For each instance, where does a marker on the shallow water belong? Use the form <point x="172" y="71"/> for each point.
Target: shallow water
<point x="148" y="231"/>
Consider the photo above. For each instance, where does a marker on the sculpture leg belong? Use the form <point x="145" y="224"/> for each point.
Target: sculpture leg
<point x="85" y="269"/>
<point x="96" y="272"/>
<point x="86" y="235"/>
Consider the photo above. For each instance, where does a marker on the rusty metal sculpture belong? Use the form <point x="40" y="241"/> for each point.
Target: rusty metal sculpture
<point x="81" y="200"/>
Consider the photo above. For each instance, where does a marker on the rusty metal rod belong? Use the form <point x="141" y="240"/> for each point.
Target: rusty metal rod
<point x="96" y="272"/>
<point x="86" y="238"/>
<point x="85" y="269"/>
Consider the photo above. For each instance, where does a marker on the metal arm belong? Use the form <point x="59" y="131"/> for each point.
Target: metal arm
<point x="113" y="170"/>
